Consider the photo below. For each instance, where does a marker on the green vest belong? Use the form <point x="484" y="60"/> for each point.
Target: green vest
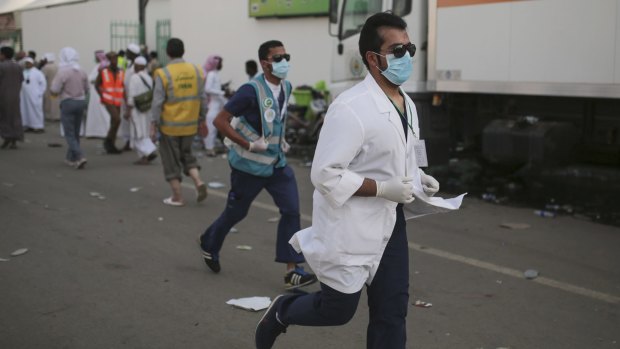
<point x="274" y="128"/>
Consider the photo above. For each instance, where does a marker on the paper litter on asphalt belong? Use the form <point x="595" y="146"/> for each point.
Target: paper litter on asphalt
<point x="216" y="185"/>
<point x="19" y="252"/>
<point x="244" y="247"/>
<point x="422" y="304"/>
<point x="273" y="219"/>
<point x="251" y="303"/>
<point x="135" y="189"/>
<point x="4" y="260"/>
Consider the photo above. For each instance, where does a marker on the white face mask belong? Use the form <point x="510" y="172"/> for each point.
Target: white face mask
<point x="280" y="69"/>
<point x="399" y="69"/>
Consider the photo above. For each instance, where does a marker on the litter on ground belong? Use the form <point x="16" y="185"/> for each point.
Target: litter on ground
<point x="251" y="303"/>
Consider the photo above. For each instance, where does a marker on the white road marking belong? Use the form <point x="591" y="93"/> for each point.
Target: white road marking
<point x="578" y="290"/>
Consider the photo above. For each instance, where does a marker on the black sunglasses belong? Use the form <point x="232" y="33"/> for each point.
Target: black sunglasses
<point x="278" y="58"/>
<point x="400" y="50"/>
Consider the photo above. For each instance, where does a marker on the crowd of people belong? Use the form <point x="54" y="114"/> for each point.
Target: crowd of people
<point x="364" y="170"/>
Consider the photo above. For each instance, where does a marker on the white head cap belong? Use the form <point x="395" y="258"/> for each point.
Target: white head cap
<point x="28" y="59"/>
<point x="134" y="48"/>
<point x="140" y="61"/>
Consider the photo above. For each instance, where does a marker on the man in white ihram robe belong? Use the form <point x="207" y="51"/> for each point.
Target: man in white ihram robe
<point x="140" y="122"/>
<point x="31" y="97"/>
<point x="97" y="116"/>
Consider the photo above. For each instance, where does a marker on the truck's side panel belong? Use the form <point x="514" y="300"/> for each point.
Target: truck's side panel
<point x="617" y="64"/>
<point x="545" y="47"/>
<point x="565" y="41"/>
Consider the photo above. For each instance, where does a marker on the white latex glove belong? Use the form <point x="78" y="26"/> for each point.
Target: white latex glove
<point x="285" y="146"/>
<point x="429" y="184"/>
<point x="259" y="145"/>
<point x="397" y="189"/>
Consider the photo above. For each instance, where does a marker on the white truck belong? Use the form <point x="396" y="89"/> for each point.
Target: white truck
<point x="481" y="62"/>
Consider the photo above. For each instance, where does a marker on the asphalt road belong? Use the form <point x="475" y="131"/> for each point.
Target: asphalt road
<point x="125" y="271"/>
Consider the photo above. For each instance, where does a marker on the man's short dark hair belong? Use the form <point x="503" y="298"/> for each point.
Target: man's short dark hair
<point x="263" y="50"/>
<point x="153" y="54"/>
<point x="251" y="65"/>
<point x="175" y="48"/>
<point x="370" y="40"/>
<point x="7" y="52"/>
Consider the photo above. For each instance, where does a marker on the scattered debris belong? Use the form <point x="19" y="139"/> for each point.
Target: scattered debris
<point x="544" y="213"/>
<point x="97" y="195"/>
<point x="10" y="185"/>
<point x="306" y="164"/>
<point x="19" y="252"/>
<point x="422" y="304"/>
<point x="244" y="247"/>
<point x="135" y="189"/>
<point x="530" y="274"/>
<point x="4" y="260"/>
<point x="514" y="225"/>
<point x="216" y="185"/>
<point x="273" y="219"/>
<point x="251" y="303"/>
<point x="233" y="230"/>
<point x="499" y="282"/>
<point x="160" y="218"/>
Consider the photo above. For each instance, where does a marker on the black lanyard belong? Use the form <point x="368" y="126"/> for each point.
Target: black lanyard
<point x="404" y="119"/>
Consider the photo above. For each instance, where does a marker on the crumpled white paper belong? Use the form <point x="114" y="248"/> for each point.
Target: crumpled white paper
<point x="251" y="303"/>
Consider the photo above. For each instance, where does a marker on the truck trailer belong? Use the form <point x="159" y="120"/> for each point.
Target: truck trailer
<point x="520" y="82"/>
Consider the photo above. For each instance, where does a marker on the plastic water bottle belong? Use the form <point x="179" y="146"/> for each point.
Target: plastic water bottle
<point x="545" y="214"/>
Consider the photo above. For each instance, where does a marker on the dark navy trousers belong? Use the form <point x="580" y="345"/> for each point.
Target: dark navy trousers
<point x="388" y="297"/>
<point x="282" y="187"/>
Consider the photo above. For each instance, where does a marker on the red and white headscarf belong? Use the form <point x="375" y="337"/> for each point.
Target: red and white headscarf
<point x="211" y="63"/>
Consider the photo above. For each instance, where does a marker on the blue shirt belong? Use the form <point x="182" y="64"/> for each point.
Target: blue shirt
<point x="245" y="103"/>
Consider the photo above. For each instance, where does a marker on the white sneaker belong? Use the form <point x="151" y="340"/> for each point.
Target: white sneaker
<point x="80" y="164"/>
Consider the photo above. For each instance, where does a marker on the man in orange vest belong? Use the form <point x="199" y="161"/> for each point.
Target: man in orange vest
<point x="110" y="86"/>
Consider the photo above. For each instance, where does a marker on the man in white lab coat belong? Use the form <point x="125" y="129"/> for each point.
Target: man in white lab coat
<point x="364" y="170"/>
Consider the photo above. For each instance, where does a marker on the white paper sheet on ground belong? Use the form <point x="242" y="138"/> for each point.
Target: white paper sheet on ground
<point x="251" y="303"/>
<point x="424" y="205"/>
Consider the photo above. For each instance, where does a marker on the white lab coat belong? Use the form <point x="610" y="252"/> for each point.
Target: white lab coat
<point x="33" y="89"/>
<point x="362" y="137"/>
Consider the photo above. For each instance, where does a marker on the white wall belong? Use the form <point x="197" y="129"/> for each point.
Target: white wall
<point x="224" y="27"/>
<point x="83" y="26"/>
<point x="155" y="10"/>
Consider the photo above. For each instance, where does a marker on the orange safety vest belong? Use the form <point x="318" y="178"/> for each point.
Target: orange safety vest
<point x="112" y="87"/>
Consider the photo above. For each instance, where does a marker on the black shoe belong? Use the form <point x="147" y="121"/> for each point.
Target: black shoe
<point x="5" y="144"/>
<point x="13" y="144"/>
<point x="110" y="148"/>
<point x="212" y="262"/>
<point x="127" y="147"/>
<point x="298" y="277"/>
<point x="152" y="156"/>
<point x="269" y="327"/>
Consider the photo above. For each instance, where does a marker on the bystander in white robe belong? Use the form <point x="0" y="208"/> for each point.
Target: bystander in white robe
<point x="51" y="104"/>
<point x="31" y="99"/>
<point x="97" y="116"/>
<point x="216" y="101"/>
<point x="124" y="130"/>
<point x="140" y="122"/>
